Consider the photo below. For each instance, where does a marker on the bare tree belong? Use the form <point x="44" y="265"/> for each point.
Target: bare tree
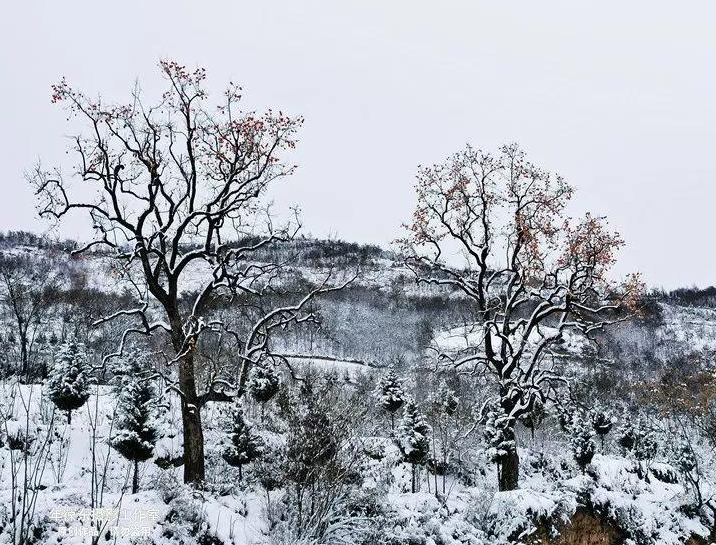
<point x="532" y="274"/>
<point x="27" y="289"/>
<point x="175" y="191"/>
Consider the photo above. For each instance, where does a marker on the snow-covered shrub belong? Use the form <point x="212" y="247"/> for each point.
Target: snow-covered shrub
<point x="683" y="457"/>
<point x="264" y="382"/>
<point x="516" y="514"/>
<point x="428" y="521"/>
<point x="18" y="435"/>
<point x="185" y="522"/>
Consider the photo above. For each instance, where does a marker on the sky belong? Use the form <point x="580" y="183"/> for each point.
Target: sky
<point x="618" y="97"/>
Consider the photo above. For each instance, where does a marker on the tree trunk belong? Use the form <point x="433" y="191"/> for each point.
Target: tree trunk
<point x="69" y="418"/>
<point x="25" y="372"/>
<point x="135" y="478"/>
<point x="191" y="423"/>
<point x="509" y="471"/>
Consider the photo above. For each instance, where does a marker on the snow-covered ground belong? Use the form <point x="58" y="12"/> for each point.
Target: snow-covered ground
<point x="167" y="512"/>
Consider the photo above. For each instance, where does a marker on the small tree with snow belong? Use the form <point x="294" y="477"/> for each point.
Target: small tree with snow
<point x="683" y="457"/>
<point x="499" y="434"/>
<point x="136" y="418"/>
<point x="448" y="400"/>
<point x="414" y="438"/>
<point x="602" y="422"/>
<point x="640" y="442"/>
<point x="582" y="441"/>
<point x="263" y="383"/>
<point x="245" y="445"/>
<point x="565" y="415"/>
<point x="390" y="394"/>
<point x="69" y="380"/>
<point x="443" y="406"/>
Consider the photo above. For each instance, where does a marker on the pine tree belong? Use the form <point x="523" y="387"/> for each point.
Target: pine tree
<point x="263" y="382"/>
<point x="311" y="443"/>
<point x="639" y="441"/>
<point x="602" y="422"/>
<point x="135" y="420"/>
<point x="444" y="405"/>
<point x="245" y="445"/>
<point x="69" y="380"/>
<point x="390" y="394"/>
<point x="498" y="426"/>
<point x="414" y="438"/>
<point x="448" y="400"/>
<point x="582" y="441"/>
<point x="564" y="417"/>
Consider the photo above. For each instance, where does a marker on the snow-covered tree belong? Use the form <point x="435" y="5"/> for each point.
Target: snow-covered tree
<point x="581" y="438"/>
<point x="390" y="394"/>
<point x="414" y="438"/>
<point x="602" y="422"/>
<point x="244" y="445"/>
<point x="448" y="400"/>
<point x="185" y="180"/>
<point x="683" y="457"/>
<point x="640" y="442"/>
<point x="69" y="379"/>
<point x="136" y="417"/>
<point x="499" y="434"/>
<point x="311" y="444"/>
<point x="565" y="415"/>
<point x="263" y="382"/>
<point x="526" y="266"/>
<point x="269" y="468"/>
<point x="443" y="406"/>
<point x="27" y="289"/>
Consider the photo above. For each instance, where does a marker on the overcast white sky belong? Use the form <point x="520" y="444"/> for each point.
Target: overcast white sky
<point x="620" y="97"/>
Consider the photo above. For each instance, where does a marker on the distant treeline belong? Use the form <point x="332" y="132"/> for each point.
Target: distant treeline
<point x="26" y="238"/>
<point x="692" y="297"/>
<point x="299" y="251"/>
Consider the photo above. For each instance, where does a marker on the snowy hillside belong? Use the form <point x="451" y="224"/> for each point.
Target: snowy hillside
<point x="353" y="434"/>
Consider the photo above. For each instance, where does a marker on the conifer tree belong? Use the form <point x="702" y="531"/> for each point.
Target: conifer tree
<point x="602" y="422"/>
<point x="499" y="434"/>
<point x="582" y="440"/>
<point x="136" y="417"/>
<point x="263" y="382"/>
<point x="245" y="445"/>
<point x="390" y="394"/>
<point x="444" y="404"/>
<point x="414" y="438"/>
<point x="69" y="380"/>
<point x="448" y="400"/>
<point x="639" y="441"/>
